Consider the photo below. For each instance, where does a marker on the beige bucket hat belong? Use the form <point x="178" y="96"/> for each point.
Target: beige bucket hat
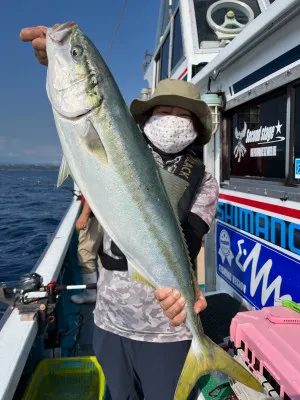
<point x="176" y="93"/>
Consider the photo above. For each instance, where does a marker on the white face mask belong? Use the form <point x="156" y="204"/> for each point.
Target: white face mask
<point x="170" y="133"/>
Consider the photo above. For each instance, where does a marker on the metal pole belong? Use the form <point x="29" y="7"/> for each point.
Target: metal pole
<point x="211" y="155"/>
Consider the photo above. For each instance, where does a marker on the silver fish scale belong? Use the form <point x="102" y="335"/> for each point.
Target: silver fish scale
<point x="129" y="308"/>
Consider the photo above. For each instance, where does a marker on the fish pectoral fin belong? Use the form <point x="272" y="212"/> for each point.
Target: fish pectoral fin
<point x="211" y="358"/>
<point x="138" y="277"/>
<point x="134" y="275"/>
<point x="175" y="187"/>
<point x="64" y="172"/>
<point x="92" y="142"/>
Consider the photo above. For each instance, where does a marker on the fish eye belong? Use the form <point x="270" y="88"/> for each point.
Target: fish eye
<point x="76" y="52"/>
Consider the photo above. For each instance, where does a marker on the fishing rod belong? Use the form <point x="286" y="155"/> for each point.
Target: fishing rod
<point x="26" y="298"/>
<point x="33" y="283"/>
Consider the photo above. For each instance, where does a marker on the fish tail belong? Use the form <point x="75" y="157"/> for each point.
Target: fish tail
<point x="197" y="364"/>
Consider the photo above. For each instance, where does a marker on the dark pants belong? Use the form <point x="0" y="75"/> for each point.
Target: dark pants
<point x="135" y="370"/>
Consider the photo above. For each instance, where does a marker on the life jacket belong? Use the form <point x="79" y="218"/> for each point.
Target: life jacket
<point x="191" y="169"/>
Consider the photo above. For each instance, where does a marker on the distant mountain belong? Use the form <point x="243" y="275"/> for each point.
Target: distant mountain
<point x="28" y="167"/>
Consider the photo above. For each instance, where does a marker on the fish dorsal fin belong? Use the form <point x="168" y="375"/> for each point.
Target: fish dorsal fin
<point x="64" y="172"/>
<point x="93" y="143"/>
<point x="174" y="186"/>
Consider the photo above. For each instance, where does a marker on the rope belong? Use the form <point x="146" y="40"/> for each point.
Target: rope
<point x="116" y="31"/>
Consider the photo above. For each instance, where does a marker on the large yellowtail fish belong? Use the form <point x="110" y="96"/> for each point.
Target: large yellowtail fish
<point x="134" y="200"/>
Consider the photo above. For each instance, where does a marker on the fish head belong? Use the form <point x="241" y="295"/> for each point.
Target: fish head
<point x="72" y="76"/>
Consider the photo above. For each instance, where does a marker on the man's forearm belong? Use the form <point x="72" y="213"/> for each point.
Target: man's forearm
<point x="86" y="210"/>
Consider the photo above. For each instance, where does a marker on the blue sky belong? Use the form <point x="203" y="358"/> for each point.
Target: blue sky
<point x="27" y="130"/>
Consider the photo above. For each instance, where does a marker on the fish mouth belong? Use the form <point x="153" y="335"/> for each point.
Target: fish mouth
<point x="61" y="33"/>
<point x="77" y="117"/>
<point x="71" y="85"/>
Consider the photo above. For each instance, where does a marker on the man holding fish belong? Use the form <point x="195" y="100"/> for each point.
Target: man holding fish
<point x="150" y="192"/>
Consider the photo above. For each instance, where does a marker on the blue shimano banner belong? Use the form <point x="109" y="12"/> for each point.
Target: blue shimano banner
<point x="297" y="168"/>
<point x="260" y="273"/>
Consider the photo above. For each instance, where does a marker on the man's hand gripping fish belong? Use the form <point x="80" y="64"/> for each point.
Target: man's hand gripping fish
<point x="134" y="200"/>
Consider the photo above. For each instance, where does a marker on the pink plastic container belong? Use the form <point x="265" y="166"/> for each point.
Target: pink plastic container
<point x="270" y="349"/>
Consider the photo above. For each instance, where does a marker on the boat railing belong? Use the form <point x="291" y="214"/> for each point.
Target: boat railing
<point x="17" y="337"/>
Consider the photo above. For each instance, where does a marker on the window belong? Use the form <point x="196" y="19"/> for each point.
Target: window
<point x="260" y="145"/>
<point x="296" y="149"/>
<point x="201" y="7"/>
<point x="204" y="31"/>
<point x="164" y="65"/>
<point x="163" y="55"/>
<point x="165" y="20"/>
<point x="157" y="70"/>
<point x="174" y="4"/>
<point x="177" y="41"/>
<point x="258" y="138"/>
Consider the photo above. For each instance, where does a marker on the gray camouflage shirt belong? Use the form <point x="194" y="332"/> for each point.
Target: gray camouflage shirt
<point x="129" y="308"/>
